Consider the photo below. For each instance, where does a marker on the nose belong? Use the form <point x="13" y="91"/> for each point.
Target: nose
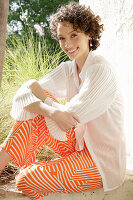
<point x="67" y="44"/>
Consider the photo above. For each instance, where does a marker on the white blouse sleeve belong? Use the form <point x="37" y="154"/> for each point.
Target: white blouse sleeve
<point x="54" y="82"/>
<point x="95" y="96"/>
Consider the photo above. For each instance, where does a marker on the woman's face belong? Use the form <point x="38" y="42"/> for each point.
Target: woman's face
<point x="74" y="43"/>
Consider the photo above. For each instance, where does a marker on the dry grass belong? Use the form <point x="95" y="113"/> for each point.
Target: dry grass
<point x="23" y="61"/>
<point x="6" y="121"/>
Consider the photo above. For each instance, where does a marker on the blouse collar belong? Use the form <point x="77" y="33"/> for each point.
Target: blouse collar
<point x="86" y="65"/>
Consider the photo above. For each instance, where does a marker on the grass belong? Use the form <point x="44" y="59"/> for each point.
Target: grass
<point x="24" y="59"/>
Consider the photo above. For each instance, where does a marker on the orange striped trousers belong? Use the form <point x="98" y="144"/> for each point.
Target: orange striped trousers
<point x="75" y="171"/>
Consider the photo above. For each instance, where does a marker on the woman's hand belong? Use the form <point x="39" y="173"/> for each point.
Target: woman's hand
<point x="65" y="120"/>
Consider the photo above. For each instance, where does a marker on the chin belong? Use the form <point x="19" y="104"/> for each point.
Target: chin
<point x="72" y="57"/>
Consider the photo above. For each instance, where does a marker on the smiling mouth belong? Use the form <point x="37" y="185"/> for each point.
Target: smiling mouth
<point x="72" y="51"/>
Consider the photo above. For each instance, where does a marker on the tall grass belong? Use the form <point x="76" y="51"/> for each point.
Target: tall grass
<point x="24" y="59"/>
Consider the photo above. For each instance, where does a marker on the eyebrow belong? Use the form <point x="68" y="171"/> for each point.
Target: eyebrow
<point x="68" y="33"/>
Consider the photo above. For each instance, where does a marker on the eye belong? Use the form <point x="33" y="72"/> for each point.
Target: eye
<point x="74" y="35"/>
<point x="60" y="38"/>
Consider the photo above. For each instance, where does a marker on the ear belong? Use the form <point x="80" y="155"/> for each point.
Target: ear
<point x="90" y="34"/>
<point x="89" y="38"/>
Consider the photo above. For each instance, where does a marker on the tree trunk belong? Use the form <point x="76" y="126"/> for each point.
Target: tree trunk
<point x="4" y="6"/>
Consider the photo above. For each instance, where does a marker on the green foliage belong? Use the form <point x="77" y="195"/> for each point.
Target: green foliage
<point x="30" y="12"/>
<point x="26" y="58"/>
<point x="29" y="57"/>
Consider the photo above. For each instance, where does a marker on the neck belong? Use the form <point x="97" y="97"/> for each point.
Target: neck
<point x="80" y="63"/>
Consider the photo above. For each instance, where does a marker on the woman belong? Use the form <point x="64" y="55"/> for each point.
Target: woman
<point x="87" y="132"/>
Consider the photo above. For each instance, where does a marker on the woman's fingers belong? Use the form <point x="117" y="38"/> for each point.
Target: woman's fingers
<point x="74" y="122"/>
<point x="76" y="118"/>
<point x="66" y="120"/>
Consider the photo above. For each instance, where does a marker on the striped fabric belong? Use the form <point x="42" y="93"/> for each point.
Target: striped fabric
<point x="75" y="171"/>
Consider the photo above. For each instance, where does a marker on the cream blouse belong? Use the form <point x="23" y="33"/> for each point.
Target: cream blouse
<point x="98" y="104"/>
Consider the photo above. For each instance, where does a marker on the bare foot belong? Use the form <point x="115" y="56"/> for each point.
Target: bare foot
<point x="4" y="158"/>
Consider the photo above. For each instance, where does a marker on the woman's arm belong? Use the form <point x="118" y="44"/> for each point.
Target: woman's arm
<point x="64" y="120"/>
<point x="95" y="96"/>
<point x="37" y="90"/>
<point x="54" y="82"/>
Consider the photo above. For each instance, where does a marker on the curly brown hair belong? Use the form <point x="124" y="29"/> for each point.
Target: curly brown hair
<point x="82" y="18"/>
